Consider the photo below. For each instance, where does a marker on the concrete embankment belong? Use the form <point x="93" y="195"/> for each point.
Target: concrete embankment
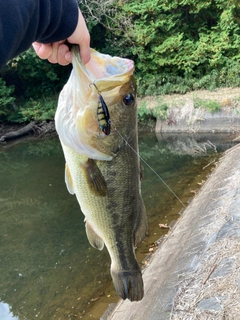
<point x="195" y="272"/>
<point x="197" y="111"/>
<point x="192" y="120"/>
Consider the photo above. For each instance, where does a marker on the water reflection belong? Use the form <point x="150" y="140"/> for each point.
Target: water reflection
<point x="196" y="144"/>
<point x="48" y="269"/>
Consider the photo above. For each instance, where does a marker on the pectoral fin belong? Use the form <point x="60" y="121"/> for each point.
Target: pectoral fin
<point x="68" y="180"/>
<point x="93" y="238"/>
<point x="95" y="179"/>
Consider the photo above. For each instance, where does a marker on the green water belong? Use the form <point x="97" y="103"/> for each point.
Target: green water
<point x="48" y="270"/>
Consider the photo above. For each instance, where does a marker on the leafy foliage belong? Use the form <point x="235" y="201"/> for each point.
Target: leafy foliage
<point x="144" y="113"/>
<point x="38" y="110"/>
<point x="36" y="83"/>
<point x="177" y="46"/>
<point x="183" y="40"/>
<point x="6" y="99"/>
<point x="161" y="111"/>
<point x="33" y="77"/>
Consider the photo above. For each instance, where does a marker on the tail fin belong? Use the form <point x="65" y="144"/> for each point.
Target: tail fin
<point x="128" y="284"/>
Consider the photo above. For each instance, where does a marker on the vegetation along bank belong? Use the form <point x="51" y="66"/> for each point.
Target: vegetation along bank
<point x="216" y="111"/>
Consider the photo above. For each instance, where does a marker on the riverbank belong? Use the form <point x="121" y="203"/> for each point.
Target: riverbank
<point x="188" y="113"/>
<point x="195" y="272"/>
<point x="10" y="132"/>
<point x="215" y="111"/>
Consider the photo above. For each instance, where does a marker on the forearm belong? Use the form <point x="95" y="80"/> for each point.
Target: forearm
<point x="24" y="21"/>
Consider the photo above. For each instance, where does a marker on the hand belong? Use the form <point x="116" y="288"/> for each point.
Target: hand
<point x="58" y="52"/>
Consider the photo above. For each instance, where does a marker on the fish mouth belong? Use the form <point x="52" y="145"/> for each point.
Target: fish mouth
<point x="103" y="70"/>
<point x="76" y="117"/>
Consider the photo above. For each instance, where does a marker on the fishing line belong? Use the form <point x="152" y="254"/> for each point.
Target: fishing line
<point x="151" y="168"/>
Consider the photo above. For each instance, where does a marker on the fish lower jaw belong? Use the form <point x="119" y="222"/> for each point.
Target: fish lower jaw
<point x="128" y="284"/>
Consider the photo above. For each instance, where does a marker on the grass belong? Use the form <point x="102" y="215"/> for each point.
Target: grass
<point x="211" y="105"/>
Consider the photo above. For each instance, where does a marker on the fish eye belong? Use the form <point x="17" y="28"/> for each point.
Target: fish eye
<point x="128" y="100"/>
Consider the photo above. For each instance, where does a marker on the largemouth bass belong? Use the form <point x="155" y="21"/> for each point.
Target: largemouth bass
<point x="96" y="120"/>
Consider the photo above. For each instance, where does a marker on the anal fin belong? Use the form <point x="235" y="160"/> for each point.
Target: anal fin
<point x="95" y="179"/>
<point x="93" y="238"/>
<point x="141" y="227"/>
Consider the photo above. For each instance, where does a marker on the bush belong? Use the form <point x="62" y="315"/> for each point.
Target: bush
<point x="6" y="100"/>
<point x="35" y="110"/>
<point x="161" y="111"/>
<point x="144" y="114"/>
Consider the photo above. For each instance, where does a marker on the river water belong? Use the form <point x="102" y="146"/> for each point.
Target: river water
<point x="48" y="270"/>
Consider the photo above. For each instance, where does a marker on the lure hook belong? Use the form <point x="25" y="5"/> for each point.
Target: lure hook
<point x="94" y="84"/>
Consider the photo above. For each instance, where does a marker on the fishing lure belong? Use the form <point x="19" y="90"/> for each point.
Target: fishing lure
<point x="103" y="116"/>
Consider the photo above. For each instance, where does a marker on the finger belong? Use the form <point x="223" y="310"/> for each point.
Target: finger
<point x="44" y="51"/>
<point x="63" y="51"/>
<point x="68" y="56"/>
<point x="85" y="41"/>
<point x="85" y="54"/>
<point x="53" y="58"/>
<point x="82" y="38"/>
<point x="36" y="46"/>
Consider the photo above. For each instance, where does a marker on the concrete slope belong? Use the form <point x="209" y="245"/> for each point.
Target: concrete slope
<point x="191" y="119"/>
<point x="195" y="273"/>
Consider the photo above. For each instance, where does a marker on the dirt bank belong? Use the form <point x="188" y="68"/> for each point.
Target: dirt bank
<point x="195" y="273"/>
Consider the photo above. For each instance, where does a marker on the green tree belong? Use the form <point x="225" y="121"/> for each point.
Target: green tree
<point x="183" y="38"/>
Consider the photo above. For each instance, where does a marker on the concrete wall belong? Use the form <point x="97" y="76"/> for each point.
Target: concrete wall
<point x="189" y="119"/>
